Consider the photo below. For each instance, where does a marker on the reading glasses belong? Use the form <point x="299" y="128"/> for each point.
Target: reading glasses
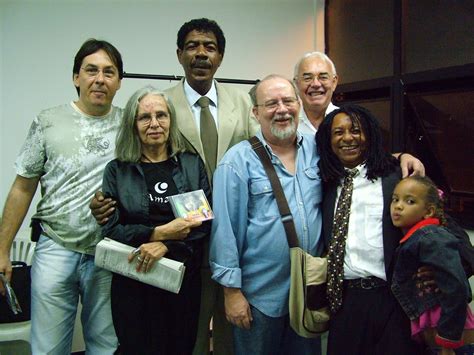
<point x="146" y="119"/>
<point x="288" y="102"/>
<point x="323" y="78"/>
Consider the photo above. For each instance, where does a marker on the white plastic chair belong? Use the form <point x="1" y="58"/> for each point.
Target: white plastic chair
<point x="22" y="250"/>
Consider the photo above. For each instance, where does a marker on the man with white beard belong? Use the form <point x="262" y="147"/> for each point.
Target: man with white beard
<point x="249" y="253"/>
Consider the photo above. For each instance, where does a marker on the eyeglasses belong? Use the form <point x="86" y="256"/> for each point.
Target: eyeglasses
<point x="323" y="78"/>
<point x="288" y="102"/>
<point x="146" y="119"/>
<point x="93" y="71"/>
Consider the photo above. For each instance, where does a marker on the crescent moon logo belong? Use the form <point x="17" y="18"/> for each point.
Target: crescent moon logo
<point x="161" y="187"/>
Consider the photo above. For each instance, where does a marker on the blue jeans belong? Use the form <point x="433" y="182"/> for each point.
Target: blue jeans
<point x="272" y="336"/>
<point x="58" y="278"/>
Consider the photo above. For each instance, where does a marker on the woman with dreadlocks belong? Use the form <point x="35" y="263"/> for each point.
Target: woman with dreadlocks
<point x="358" y="180"/>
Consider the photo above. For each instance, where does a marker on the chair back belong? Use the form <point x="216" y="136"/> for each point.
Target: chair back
<point x="22" y="250"/>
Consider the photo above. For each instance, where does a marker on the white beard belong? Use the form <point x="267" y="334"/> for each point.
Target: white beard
<point x="286" y="132"/>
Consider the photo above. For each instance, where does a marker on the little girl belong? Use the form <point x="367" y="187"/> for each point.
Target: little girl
<point x="440" y="319"/>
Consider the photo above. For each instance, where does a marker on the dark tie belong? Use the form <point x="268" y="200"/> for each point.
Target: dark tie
<point x="208" y="134"/>
<point x="338" y="243"/>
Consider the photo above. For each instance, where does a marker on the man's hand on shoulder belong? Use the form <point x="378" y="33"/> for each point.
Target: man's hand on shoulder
<point x="237" y="309"/>
<point x="410" y="165"/>
<point x="101" y="207"/>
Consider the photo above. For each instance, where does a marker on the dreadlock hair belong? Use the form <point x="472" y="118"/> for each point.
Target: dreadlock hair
<point x="379" y="163"/>
<point x="433" y="196"/>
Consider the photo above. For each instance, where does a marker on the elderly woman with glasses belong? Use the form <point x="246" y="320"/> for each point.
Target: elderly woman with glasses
<point x="150" y="166"/>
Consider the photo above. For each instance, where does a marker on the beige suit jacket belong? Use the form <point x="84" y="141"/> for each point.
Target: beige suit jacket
<point x="235" y="119"/>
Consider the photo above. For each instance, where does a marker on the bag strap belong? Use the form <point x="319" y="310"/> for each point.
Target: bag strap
<point x="284" y="209"/>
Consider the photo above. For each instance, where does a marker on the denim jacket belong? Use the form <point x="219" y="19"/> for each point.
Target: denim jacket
<point x="130" y="222"/>
<point x="430" y="244"/>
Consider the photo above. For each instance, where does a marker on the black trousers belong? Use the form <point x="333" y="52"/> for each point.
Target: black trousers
<point x="370" y="322"/>
<point x="149" y="320"/>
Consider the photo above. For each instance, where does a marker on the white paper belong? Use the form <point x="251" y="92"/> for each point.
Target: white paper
<point x="166" y="274"/>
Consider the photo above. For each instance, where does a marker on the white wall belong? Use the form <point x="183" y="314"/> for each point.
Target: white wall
<point x="40" y="38"/>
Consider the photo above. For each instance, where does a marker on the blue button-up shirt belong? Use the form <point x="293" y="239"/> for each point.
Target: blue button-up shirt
<point x="249" y="248"/>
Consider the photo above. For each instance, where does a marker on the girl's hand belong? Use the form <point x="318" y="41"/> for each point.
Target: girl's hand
<point x="147" y="254"/>
<point x="177" y="229"/>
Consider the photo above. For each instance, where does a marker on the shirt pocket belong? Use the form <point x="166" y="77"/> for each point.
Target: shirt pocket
<point x="373" y="225"/>
<point x="312" y="186"/>
<point x="262" y="203"/>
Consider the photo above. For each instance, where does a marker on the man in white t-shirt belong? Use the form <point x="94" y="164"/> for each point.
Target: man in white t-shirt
<point x="65" y="152"/>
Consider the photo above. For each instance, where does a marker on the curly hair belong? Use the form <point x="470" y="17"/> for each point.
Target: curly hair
<point x="202" y="25"/>
<point x="379" y="163"/>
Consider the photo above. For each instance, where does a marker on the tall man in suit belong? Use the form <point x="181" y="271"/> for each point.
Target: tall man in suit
<point x="201" y="46"/>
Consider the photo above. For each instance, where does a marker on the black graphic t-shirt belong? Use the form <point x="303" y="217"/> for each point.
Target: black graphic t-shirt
<point x="160" y="185"/>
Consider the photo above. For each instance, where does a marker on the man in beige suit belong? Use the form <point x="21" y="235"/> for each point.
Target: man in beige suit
<point x="201" y="46"/>
<point x="235" y="122"/>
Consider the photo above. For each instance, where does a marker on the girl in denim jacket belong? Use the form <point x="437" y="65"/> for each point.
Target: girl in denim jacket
<point x="441" y="319"/>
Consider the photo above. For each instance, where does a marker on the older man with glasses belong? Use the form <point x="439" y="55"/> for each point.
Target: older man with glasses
<point x="249" y="253"/>
<point x="316" y="78"/>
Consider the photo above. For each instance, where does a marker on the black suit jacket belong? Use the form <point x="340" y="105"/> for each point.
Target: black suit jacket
<point x="391" y="234"/>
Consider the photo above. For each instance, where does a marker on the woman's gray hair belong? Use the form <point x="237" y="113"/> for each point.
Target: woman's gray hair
<point x="128" y="147"/>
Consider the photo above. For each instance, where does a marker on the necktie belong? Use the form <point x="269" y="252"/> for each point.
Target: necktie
<point x="338" y="243"/>
<point x="208" y="134"/>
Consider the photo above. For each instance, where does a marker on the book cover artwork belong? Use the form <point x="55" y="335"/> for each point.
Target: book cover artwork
<point x="192" y="204"/>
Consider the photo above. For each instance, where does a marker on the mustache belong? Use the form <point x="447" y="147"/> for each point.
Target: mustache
<point x="201" y="63"/>
<point x="280" y="117"/>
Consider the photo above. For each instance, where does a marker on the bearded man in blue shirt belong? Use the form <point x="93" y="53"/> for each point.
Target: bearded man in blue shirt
<point x="249" y="253"/>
